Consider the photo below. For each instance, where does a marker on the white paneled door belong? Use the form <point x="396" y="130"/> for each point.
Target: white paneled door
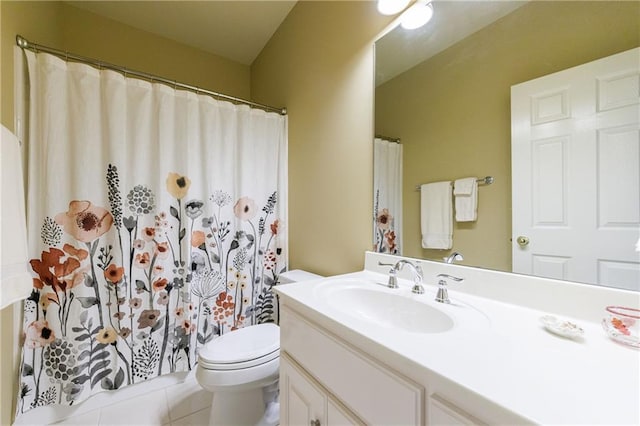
<point x="576" y="173"/>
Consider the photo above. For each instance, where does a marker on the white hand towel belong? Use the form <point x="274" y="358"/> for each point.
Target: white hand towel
<point x="436" y="219"/>
<point x="466" y="199"/>
<point x="15" y="281"/>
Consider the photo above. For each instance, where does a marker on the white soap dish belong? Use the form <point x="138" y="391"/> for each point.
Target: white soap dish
<point x="562" y="327"/>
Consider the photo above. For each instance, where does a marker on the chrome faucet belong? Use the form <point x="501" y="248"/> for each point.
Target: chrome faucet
<point x="417" y="275"/>
<point x="453" y="257"/>
<point x="443" y="295"/>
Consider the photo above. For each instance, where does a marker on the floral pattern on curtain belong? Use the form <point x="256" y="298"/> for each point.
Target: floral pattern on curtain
<point x="387" y="196"/>
<point x="134" y="270"/>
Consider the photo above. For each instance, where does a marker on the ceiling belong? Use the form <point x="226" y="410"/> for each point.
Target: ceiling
<point x="239" y="29"/>
<point x="236" y="30"/>
<point x="452" y="21"/>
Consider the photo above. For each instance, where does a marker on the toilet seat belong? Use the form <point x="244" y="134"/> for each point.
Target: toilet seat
<point x="244" y="348"/>
<point x="208" y="365"/>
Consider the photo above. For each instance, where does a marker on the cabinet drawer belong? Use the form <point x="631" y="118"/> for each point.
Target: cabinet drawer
<point x="368" y="388"/>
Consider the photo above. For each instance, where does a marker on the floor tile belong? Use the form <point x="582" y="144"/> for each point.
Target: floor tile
<point x="200" y="418"/>
<point x="187" y="398"/>
<point x="149" y="409"/>
<point x="90" y="418"/>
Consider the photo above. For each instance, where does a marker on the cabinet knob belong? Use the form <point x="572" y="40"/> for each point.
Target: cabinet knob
<point x="314" y="422"/>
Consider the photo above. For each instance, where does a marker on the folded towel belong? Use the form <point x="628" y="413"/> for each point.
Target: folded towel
<point x="466" y="199"/>
<point x="15" y="281"/>
<point x="436" y="220"/>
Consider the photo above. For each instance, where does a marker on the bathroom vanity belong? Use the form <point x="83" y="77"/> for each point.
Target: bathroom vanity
<point x="354" y="351"/>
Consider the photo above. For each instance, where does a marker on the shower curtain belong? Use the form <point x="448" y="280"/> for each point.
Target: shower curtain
<point x="387" y="196"/>
<point x="156" y="223"/>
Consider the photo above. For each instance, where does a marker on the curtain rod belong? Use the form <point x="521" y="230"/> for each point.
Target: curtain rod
<point x="25" y="44"/>
<point x="388" y="138"/>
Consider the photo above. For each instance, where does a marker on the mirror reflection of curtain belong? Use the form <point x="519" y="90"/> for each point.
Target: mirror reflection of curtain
<point x="387" y="196"/>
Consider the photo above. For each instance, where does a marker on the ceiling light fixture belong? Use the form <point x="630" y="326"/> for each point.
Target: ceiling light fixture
<point x="417" y="15"/>
<point x="391" y="7"/>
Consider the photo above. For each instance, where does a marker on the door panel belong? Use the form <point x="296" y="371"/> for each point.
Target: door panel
<point x="576" y="173"/>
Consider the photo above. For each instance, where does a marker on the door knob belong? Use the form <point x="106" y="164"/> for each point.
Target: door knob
<point x="522" y="241"/>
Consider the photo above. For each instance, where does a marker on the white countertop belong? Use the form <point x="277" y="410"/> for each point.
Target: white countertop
<point x="502" y="352"/>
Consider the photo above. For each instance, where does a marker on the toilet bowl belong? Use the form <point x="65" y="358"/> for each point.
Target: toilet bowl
<point x="241" y="369"/>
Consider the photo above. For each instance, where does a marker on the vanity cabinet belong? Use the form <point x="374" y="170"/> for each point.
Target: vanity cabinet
<point x="443" y="412"/>
<point x="327" y="380"/>
<point x="305" y="402"/>
<point x="353" y="339"/>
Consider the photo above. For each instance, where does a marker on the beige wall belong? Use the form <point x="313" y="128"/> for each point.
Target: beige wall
<point x="453" y="111"/>
<point x="67" y="28"/>
<point x="71" y="29"/>
<point x="33" y="20"/>
<point x="320" y="65"/>
<point x="39" y="20"/>
<point x="90" y="35"/>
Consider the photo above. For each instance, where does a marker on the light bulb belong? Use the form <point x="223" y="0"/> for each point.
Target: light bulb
<point x="417" y="15"/>
<point x="391" y="7"/>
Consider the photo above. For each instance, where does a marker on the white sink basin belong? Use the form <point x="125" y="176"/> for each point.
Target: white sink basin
<point x="392" y="308"/>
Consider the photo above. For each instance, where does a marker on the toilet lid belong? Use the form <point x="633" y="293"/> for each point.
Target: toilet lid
<point x="246" y="346"/>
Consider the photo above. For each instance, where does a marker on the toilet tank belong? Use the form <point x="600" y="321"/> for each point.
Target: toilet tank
<point x="297" y="275"/>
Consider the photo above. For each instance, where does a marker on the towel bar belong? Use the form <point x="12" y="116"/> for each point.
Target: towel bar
<point x="487" y="180"/>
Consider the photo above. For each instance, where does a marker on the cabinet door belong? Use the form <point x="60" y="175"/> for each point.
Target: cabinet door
<point x="338" y="416"/>
<point x="301" y="401"/>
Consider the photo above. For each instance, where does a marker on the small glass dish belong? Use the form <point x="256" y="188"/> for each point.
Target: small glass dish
<point x="561" y="327"/>
<point x="623" y="325"/>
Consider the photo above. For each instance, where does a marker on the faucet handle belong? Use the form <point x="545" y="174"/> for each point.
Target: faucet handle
<point x="443" y="295"/>
<point x="456" y="279"/>
<point x="393" y="279"/>
<point x="453" y="257"/>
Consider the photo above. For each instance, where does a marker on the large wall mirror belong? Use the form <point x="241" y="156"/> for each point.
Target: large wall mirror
<point x="444" y="90"/>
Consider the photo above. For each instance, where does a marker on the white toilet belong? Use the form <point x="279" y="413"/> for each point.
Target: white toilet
<point x="241" y="369"/>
